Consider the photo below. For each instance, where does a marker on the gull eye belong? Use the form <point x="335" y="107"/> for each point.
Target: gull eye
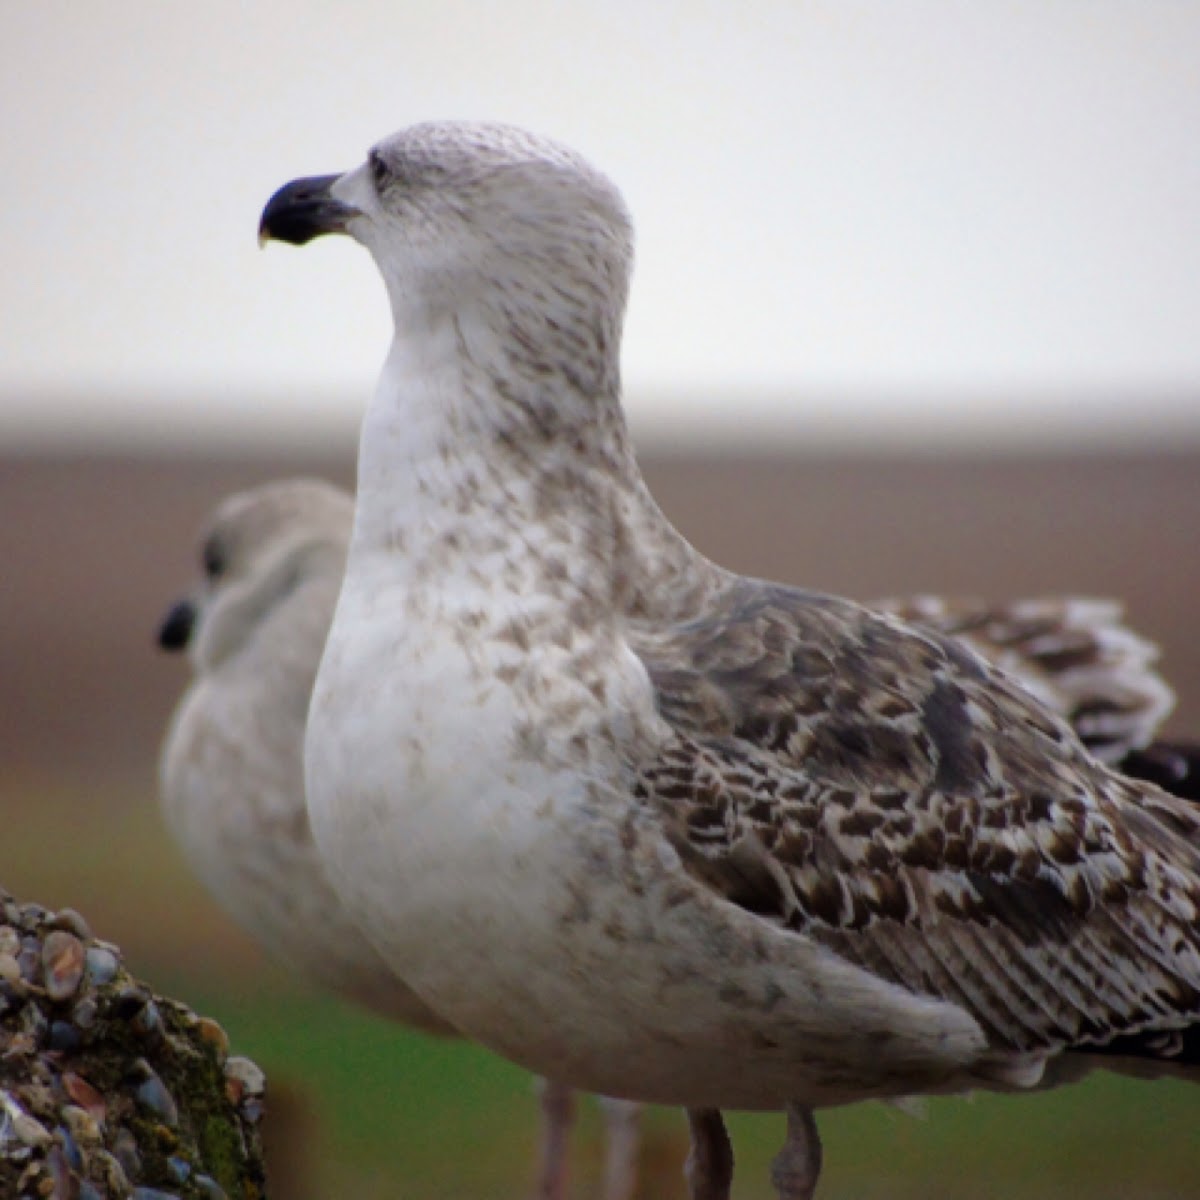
<point x="212" y="557"/>
<point x="379" y="170"/>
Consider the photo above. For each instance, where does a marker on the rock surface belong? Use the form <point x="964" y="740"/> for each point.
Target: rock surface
<point x="106" y="1089"/>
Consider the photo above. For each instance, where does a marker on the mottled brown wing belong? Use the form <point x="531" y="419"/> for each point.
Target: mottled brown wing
<point x="1077" y="655"/>
<point x="882" y="789"/>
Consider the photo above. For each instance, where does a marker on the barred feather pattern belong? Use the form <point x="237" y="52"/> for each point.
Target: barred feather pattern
<point x="1074" y="653"/>
<point x="882" y="790"/>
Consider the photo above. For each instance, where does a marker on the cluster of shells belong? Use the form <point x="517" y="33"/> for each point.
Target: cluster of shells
<point x="106" y="1089"/>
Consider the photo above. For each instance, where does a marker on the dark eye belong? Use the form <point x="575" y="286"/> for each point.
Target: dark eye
<point x="379" y="169"/>
<point x="213" y="558"/>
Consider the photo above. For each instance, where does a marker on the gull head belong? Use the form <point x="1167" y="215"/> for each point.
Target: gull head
<point x="466" y="219"/>
<point x="257" y="548"/>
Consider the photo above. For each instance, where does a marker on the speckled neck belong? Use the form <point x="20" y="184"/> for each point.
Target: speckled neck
<point x="467" y="447"/>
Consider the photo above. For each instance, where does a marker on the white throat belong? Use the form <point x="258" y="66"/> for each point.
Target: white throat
<point x="456" y="465"/>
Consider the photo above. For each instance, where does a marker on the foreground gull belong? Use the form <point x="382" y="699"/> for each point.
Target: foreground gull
<point x="232" y="774"/>
<point x="693" y="838"/>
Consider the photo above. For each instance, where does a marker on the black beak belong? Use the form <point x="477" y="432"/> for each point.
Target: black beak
<point x="303" y="210"/>
<point x="176" y="630"/>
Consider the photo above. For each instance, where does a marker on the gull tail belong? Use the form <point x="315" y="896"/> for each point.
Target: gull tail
<point x="1173" y="766"/>
<point x="1154" y="1053"/>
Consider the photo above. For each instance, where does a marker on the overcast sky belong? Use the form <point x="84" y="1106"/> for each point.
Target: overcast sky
<point x="850" y="215"/>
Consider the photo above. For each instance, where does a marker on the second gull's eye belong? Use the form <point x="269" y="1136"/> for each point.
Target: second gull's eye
<point x="213" y="559"/>
<point x="379" y="170"/>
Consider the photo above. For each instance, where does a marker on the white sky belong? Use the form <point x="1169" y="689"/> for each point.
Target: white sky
<point x="850" y="214"/>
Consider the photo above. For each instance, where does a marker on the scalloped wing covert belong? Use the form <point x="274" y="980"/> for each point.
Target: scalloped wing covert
<point x="883" y="790"/>
<point x="1076" y="655"/>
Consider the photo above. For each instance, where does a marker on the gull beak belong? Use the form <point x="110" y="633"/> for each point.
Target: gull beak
<point x="304" y="209"/>
<point x="176" y="630"/>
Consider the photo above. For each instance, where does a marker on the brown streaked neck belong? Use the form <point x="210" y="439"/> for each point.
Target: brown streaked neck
<point x="495" y="454"/>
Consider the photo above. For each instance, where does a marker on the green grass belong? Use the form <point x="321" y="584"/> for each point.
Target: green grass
<point x="408" y="1116"/>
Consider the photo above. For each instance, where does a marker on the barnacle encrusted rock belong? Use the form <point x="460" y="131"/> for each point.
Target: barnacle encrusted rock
<point x="106" y="1089"/>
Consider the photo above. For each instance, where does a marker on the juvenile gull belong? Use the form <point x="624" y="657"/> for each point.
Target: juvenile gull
<point x="694" y="838"/>
<point x="232" y="772"/>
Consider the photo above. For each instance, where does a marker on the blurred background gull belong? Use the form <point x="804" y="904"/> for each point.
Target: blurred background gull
<point x="917" y="307"/>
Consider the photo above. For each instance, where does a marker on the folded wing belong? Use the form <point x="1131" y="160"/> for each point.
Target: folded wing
<point x="882" y="789"/>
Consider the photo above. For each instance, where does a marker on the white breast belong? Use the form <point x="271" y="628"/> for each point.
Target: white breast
<point x="424" y="805"/>
<point x="233" y="797"/>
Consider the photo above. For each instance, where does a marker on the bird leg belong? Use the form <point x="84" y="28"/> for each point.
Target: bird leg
<point x="622" y="1120"/>
<point x="798" y="1165"/>
<point x="709" y="1168"/>
<point x="558" y="1115"/>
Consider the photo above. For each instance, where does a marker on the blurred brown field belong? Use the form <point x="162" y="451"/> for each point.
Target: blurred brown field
<point x="92" y="550"/>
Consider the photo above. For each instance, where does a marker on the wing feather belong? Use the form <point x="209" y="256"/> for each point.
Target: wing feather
<point x="882" y="789"/>
<point x="1074" y="653"/>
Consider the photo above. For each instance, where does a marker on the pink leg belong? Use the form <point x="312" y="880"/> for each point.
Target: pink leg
<point x="622" y="1127"/>
<point x="558" y="1115"/>
<point x="798" y="1165"/>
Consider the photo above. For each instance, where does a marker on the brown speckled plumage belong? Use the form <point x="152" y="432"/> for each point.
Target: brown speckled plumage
<point x="1073" y="653"/>
<point x="887" y="793"/>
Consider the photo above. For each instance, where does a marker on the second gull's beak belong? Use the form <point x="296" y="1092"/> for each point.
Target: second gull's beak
<point x="302" y="210"/>
<point x="176" y="630"/>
